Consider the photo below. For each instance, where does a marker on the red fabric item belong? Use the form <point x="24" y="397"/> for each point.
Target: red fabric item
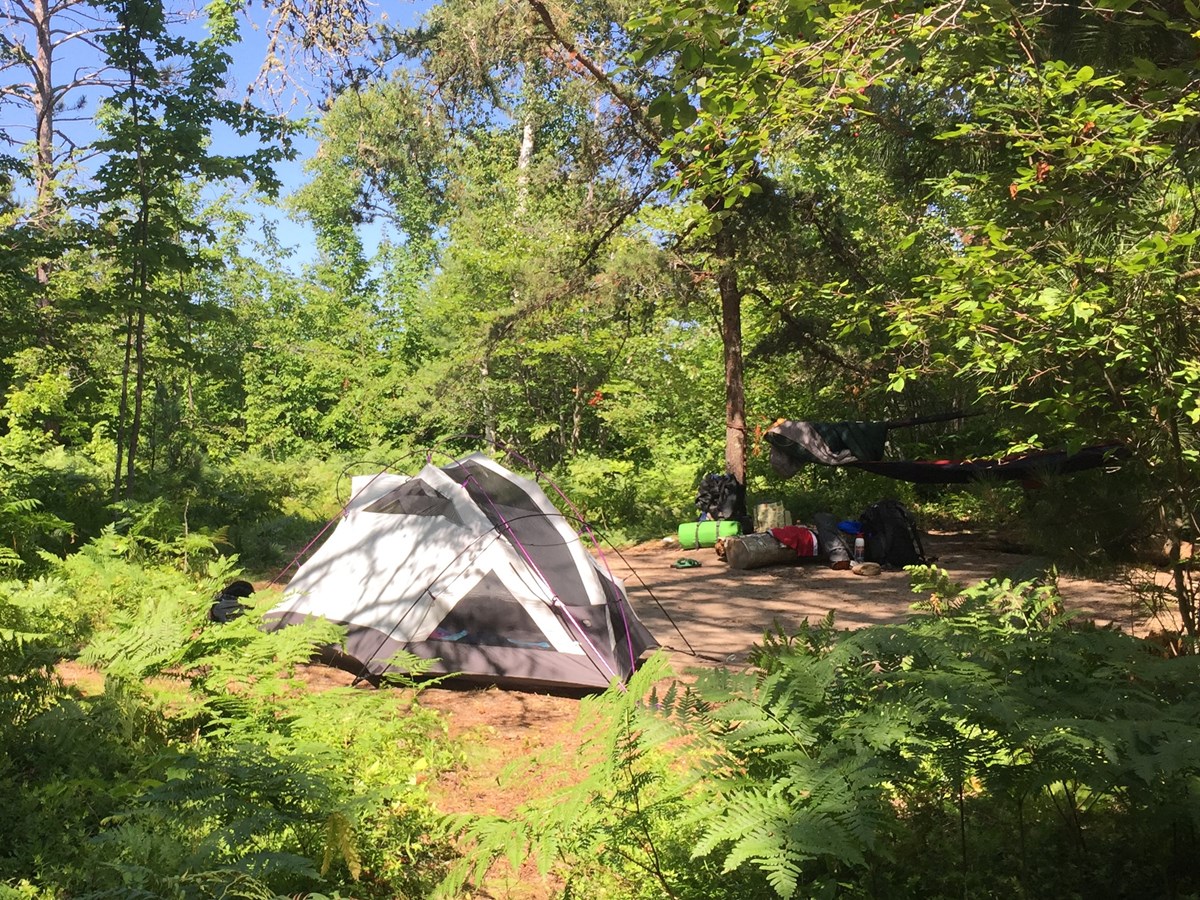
<point x="799" y="538"/>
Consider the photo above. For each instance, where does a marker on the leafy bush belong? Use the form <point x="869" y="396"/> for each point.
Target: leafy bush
<point x="105" y="579"/>
<point x="41" y="490"/>
<point x="635" y="501"/>
<point x="1091" y="518"/>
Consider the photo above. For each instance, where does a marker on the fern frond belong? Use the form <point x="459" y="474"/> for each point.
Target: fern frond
<point x="339" y="842"/>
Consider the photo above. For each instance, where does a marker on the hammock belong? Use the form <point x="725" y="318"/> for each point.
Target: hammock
<point x="860" y="445"/>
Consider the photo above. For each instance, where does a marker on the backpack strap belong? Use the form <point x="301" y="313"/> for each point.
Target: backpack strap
<point x="916" y="535"/>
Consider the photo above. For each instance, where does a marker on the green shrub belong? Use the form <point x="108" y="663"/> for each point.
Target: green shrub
<point x="204" y="767"/>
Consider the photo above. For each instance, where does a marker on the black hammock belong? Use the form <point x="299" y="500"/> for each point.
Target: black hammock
<point x="861" y="446"/>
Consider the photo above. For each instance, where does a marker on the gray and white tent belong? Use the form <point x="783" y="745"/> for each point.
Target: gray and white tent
<point x="471" y="565"/>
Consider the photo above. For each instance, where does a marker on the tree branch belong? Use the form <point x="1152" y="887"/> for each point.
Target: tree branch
<point x="811" y="342"/>
<point x="645" y="131"/>
<point x="624" y="212"/>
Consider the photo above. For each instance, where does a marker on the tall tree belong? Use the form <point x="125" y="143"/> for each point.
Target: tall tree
<point x="629" y="79"/>
<point x="158" y="135"/>
<point x="35" y="35"/>
<point x="1046" y="159"/>
<point x="478" y="145"/>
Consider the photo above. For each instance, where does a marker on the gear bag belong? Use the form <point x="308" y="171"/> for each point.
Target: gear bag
<point x="721" y="497"/>
<point x="891" y="535"/>
<point x="228" y="605"/>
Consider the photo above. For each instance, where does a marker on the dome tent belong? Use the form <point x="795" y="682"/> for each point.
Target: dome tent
<point x="471" y="565"/>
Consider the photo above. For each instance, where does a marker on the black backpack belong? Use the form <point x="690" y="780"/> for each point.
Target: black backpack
<point x="721" y="497"/>
<point x="891" y="535"/>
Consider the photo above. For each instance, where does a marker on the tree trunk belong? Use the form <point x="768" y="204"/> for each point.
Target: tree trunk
<point x="43" y="108"/>
<point x="731" y="340"/>
<point x="489" y="413"/>
<point x="576" y="417"/>
<point x="524" y="159"/>
<point x="44" y="103"/>
<point x="141" y="282"/>
<point x="135" y="426"/>
<point x="123" y="407"/>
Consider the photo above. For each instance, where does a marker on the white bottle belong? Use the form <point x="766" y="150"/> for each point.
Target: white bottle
<point x="860" y="549"/>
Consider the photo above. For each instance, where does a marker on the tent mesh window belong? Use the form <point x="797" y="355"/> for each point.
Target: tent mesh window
<point x="414" y="498"/>
<point x="491" y="616"/>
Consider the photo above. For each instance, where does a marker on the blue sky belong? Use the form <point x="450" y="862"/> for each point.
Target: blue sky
<point x="16" y="120"/>
<point x="248" y="60"/>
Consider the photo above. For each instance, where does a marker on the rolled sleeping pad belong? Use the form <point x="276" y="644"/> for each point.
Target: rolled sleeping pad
<point x="831" y="538"/>
<point x="705" y="534"/>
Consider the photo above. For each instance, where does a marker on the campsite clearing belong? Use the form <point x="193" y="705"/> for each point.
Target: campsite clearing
<point x="721" y="613"/>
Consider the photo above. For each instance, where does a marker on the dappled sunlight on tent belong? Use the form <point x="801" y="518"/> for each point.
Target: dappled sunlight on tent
<point x="471" y="566"/>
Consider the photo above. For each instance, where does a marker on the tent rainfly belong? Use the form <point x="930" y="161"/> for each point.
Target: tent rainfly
<point x="470" y="565"/>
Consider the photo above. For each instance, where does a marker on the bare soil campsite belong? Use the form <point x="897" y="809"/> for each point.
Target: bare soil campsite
<point x="511" y="747"/>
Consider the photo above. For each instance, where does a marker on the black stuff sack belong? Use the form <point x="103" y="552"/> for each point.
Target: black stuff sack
<point x="721" y="497"/>
<point x="228" y="604"/>
<point x="891" y="535"/>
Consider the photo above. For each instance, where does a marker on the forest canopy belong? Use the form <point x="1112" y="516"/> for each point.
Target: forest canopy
<point x="620" y="239"/>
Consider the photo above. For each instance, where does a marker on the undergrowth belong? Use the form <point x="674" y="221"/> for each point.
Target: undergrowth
<point x="203" y="768"/>
<point x="989" y="747"/>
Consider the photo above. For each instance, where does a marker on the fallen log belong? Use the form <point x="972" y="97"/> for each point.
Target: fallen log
<point x="754" y="551"/>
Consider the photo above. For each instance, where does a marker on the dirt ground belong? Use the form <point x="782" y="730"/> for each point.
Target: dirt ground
<point x="706" y="616"/>
<point x="722" y="612"/>
<point x="713" y="615"/>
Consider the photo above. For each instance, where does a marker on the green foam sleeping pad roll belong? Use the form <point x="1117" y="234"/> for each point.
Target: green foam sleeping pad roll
<point x="706" y="534"/>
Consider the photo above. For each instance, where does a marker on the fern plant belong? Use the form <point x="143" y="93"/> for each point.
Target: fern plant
<point x="205" y="767"/>
<point x="988" y="747"/>
<point x="618" y="826"/>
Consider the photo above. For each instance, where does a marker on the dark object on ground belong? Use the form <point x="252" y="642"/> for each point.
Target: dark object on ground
<point x="892" y="536"/>
<point x="723" y="497"/>
<point x="228" y="605"/>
